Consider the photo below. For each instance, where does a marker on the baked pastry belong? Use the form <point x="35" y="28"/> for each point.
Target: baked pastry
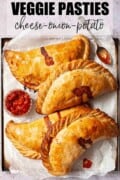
<point x="73" y="83"/>
<point x="34" y="66"/>
<point x="66" y="141"/>
<point x="27" y="136"/>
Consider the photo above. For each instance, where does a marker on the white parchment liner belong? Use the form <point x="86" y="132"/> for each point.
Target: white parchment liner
<point x="102" y="154"/>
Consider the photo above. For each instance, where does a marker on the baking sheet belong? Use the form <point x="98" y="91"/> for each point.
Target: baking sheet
<point x="104" y="160"/>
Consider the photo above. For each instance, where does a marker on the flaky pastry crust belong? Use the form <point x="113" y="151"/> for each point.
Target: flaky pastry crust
<point x="27" y="136"/>
<point x="66" y="140"/>
<point x="73" y="83"/>
<point x="32" y="67"/>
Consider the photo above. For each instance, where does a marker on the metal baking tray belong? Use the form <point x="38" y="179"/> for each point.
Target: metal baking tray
<point x="4" y="165"/>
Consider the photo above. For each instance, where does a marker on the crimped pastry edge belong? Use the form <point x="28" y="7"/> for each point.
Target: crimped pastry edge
<point x="27" y="152"/>
<point x="69" y="66"/>
<point x="58" y="126"/>
<point x="87" y="44"/>
<point x="86" y="55"/>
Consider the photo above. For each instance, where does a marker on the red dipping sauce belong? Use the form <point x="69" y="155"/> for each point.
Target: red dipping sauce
<point x="18" y="102"/>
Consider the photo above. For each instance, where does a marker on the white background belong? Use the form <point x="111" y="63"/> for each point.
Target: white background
<point x="8" y="20"/>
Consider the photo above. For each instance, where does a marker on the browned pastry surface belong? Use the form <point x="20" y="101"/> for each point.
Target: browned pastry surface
<point x="66" y="140"/>
<point x="73" y="83"/>
<point x="34" y="66"/>
<point x="27" y="136"/>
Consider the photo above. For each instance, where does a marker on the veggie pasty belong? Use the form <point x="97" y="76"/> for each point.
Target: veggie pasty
<point x="73" y="83"/>
<point x="66" y="141"/>
<point x="34" y="66"/>
<point x="27" y="136"/>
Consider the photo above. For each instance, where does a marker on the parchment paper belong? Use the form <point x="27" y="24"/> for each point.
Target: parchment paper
<point x="102" y="154"/>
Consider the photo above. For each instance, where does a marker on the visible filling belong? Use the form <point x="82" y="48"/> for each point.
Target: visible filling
<point x="47" y="121"/>
<point x="59" y="115"/>
<point x="48" y="59"/>
<point x="83" y="142"/>
<point x="83" y="89"/>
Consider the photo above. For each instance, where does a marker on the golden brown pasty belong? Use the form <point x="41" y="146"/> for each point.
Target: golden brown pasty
<point x="66" y="141"/>
<point x="27" y="136"/>
<point x="73" y="83"/>
<point x="34" y="66"/>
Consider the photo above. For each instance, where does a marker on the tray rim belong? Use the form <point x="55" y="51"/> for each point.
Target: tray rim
<point x="3" y="40"/>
